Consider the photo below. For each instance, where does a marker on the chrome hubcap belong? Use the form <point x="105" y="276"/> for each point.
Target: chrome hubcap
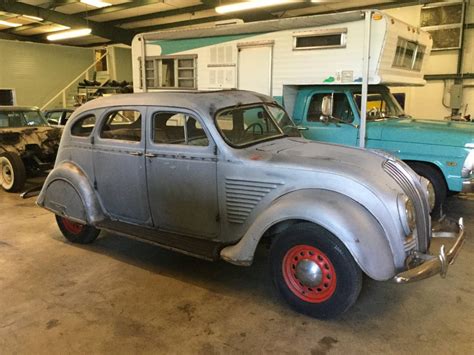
<point x="309" y="273"/>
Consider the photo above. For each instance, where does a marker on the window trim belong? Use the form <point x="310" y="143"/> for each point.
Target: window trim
<point x="157" y="65"/>
<point x="321" y="33"/>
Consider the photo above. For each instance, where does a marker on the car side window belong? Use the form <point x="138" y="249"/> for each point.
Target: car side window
<point x="178" y="128"/>
<point x="53" y="117"/>
<point x="123" y="125"/>
<point x="83" y="126"/>
<point x="341" y="107"/>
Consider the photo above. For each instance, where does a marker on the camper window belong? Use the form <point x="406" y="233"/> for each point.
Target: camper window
<point x="171" y="72"/>
<point x="408" y="55"/>
<point x="319" y="40"/>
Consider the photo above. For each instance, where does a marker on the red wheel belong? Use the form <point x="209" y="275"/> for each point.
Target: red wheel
<point x="77" y="232"/>
<point x="314" y="272"/>
<point x="72" y="227"/>
<point x="309" y="274"/>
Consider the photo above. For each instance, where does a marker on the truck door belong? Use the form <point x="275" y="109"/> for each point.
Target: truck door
<point x="181" y="173"/>
<point x="339" y="128"/>
<point x="119" y="164"/>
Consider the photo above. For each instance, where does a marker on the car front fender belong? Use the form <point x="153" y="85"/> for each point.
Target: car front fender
<point x="351" y="222"/>
<point x="67" y="192"/>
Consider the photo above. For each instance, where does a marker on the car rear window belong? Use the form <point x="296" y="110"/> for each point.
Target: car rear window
<point x="84" y="126"/>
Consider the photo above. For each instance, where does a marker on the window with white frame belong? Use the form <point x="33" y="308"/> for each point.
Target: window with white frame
<point x="408" y="55"/>
<point x="170" y="72"/>
<point x="320" y="39"/>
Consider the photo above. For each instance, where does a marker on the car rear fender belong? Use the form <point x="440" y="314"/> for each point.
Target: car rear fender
<point x="351" y="222"/>
<point x="67" y="192"/>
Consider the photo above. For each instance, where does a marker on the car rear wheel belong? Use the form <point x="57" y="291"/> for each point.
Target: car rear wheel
<point x="77" y="232"/>
<point x="314" y="272"/>
<point x="12" y="172"/>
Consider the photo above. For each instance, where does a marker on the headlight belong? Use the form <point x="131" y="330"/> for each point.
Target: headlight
<point x="407" y="214"/>
<point x="468" y="165"/>
<point x="431" y="195"/>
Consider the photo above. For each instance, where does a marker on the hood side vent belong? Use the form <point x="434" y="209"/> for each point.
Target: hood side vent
<point x="243" y="195"/>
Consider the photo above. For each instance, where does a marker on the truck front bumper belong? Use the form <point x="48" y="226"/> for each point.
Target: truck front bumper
<point x="447" y="235"/>
<point x="468" y="186"/>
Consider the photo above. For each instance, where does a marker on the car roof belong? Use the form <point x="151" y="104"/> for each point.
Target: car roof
<point x="201" y="101"/>
<point x="19" y="108"/>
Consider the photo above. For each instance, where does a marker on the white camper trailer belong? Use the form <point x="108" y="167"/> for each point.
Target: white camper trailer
<point x="269" y="56"/>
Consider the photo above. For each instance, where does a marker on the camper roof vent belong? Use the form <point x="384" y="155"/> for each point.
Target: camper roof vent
<point x="234" y="21"/>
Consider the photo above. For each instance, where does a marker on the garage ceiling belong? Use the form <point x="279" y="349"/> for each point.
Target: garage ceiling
<point x="119" y="22"/>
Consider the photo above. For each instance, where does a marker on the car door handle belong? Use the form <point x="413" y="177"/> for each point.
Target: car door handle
<point x="150" y="155"/>
<point x="136" y="153"/>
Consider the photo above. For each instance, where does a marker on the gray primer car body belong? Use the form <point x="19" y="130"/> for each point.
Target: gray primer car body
<point x="217" y="202"/>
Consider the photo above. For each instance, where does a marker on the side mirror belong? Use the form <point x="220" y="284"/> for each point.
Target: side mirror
<point x="326" y="106"/>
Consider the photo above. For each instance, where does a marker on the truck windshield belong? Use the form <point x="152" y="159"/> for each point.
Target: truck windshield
<point x="246" y="125"/>
<point x="13" y="119"/>
<point x="380" y="105"/>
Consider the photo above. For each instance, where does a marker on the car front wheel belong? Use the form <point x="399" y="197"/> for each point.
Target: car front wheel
<point x="12" y="172"/>
<point x="314" y="272"/>
<point x="77" y="232"/>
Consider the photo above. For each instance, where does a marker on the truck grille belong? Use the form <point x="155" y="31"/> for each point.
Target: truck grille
<point x="412" y="189"/>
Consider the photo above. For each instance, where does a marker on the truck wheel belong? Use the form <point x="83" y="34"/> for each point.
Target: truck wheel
<point x="12" y="172"/>
<point x="77" y="232"/>
<point x="437" y="181"/>
<point x="314" y="272"/>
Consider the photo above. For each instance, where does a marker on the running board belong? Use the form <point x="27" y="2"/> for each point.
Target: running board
<point x="197" y="247"/>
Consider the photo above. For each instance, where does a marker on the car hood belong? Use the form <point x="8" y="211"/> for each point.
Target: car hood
<point x="411" y="130"/>
<point x="300" y="153"/>
<point x="29" y="135"/>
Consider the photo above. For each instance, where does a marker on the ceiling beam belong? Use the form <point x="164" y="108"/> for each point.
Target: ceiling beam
<point x="14" y="37"/>
<point x="115" y="34"/>
<point x="154" y="15"/>
<point x="115" y="8"/>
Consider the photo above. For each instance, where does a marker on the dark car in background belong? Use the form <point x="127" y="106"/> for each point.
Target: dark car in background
<point x="28" y="145"/>
<point x="57" y="117"/>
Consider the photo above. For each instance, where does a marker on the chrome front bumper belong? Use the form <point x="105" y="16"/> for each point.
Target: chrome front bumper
<point x="446" y="235"/>
<point x="468" y="186"/>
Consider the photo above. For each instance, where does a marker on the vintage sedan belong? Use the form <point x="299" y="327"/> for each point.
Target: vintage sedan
<point x="213" y="174"/>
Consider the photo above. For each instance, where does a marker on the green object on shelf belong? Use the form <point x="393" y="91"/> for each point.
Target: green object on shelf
<point x="329" y="79"/>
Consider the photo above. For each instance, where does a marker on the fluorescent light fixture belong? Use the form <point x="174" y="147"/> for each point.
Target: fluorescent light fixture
<point x="34" y="18"/>
<point x="70" y="34"/>
<point x="249" y="5"/>
<point x="96" y="3"/>
<point x="10" y="24"/>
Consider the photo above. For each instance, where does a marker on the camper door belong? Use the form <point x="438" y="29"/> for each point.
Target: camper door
<point x="255" y="67"/>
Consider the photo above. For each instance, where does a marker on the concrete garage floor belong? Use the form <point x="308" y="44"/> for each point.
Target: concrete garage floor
<point x="123" y="296"/>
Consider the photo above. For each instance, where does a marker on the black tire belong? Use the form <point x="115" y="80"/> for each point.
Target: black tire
<point x="340" y="280"/>
<point x="436" y="178"/>
<point x="12" y="172"/>
<point x="76" y="232"/>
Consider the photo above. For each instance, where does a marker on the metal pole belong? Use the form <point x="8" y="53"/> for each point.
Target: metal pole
<point x="144" y="87"/>
<point x="365" y="78"/>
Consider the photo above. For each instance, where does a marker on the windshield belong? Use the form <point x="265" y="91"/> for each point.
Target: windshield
<point x="246" y="125"/>
<point x="380" y="105"/>
<point x="12" y="119"/>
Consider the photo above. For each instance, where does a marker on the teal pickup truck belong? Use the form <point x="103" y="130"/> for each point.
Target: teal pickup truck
<point x="441" y="151"/>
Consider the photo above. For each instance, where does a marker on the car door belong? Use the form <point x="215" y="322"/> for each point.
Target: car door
<point x="119" y="164"/>
<point x="181" y="173"/>
<point x="339" y="129"/>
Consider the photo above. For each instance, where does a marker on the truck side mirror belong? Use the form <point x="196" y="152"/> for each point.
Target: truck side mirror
<point x="326" y="106"/>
